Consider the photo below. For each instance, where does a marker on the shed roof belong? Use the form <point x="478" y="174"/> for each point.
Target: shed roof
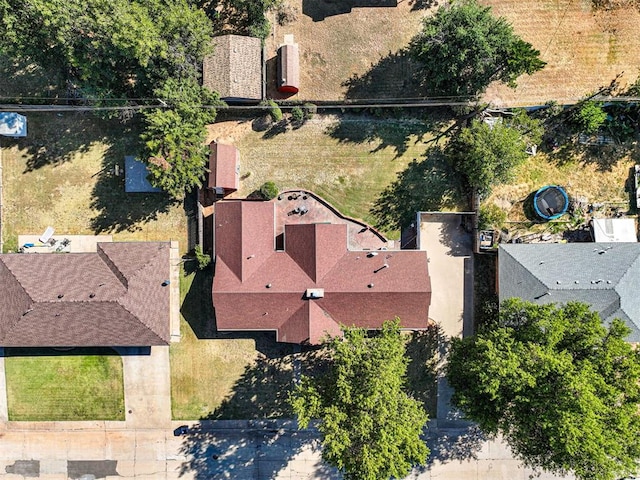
<point x="224" y="167"/>
<point x="135" y="176"/>
<point x="615" y="230"/>
<point x="258" y="288"/>
<point x="234" y="69"/>
<point x="113" y="297"/>
<point x="604" y="275"/>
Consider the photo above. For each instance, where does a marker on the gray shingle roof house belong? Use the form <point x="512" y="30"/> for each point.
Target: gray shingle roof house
<point x="604" y="275"/>
<point x="117" y="296"/>
<point x="234" y="69"/>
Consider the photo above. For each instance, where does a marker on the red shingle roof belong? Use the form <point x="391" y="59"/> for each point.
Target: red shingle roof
<point x="258" y="288"/>
<point x="223" y="166"/>
<point x="113" y="297"/>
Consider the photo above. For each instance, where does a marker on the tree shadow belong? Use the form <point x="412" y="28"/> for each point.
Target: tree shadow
<point x="55" y="138"/>
<point x="318" y="10"/>
<point x="251" y="450"/>
<point x="251" y="434"/>
<point x="423" y="4"/>
<point x="396" y="133"/>
<point x="455" y="444"/>
<point x="117" y="210"/>
<point x="24" y="79"/>
<point x="429" y="184"/>
<point x="394" y="76"/>
<point x="423" y="370"/>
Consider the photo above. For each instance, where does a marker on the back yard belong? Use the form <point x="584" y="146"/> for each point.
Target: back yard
<point x="347" y="160"/>
<point x="359" y="53"/>
<point x="64" y="175"/>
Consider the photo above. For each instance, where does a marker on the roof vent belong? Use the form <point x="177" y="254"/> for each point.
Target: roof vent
<point x="372" y="254"/>
<point x="61" y="295"/>
<point x="91" y="295"/>
<point x="268" y="285"/>
<point x="313" y="293"/>
<point x="370" y="285"/>
<point x="386" y="265"/>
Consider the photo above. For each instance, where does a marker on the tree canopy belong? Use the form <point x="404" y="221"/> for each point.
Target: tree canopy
<point x="174" y="137"/>
<point x="115" y="47"/>
<point x="463" y="48"/>
<point x="562" y="389"/>
<point x="488" y="154"/>
<point x="370" y="426"/>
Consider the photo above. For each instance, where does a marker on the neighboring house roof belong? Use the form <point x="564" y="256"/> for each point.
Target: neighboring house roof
<point x="604" y="275"/>
<point x="234" y="69"/>
<point x="315" y="283"/>
<point x="135" y="176"/>
<point x="114" y="297"/>
<point x="224" y="165"/>
<point x="615" y="230"/>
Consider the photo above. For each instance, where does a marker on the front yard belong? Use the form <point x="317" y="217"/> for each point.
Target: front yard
<point x="82" y="384"/>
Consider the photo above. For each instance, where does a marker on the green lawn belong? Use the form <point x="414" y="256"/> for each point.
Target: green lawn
<point x="46" y="385"/>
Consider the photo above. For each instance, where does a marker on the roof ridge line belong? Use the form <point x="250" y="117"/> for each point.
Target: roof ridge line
<point x="140" y="321"/>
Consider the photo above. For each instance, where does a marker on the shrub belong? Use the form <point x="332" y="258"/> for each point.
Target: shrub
<point x="269" y="190"/>
<point x="297" y="115"/>
<point x="203" y="259"/>
<point x="591" y="117"/>
<point x="309" y="110"/>
<point x="274" y="110"/>
<point x="491" y="216"/>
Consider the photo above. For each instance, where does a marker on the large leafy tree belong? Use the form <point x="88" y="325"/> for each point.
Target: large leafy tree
<point x="487" y="154"/>
<point x="174" y="137"/>
<point x="463" y="48"/>
<point x="563" y="389"/>
<point x="371" y="428"/>
<point x="113" y="47"/>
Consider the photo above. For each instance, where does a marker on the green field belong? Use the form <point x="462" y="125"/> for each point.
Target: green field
<point x="46" y="385"/>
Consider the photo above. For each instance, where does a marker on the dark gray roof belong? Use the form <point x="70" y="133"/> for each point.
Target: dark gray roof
<point x="604" y="275"/>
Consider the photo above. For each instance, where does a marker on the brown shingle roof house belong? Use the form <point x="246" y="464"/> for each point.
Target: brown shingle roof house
<point x="234" y="69"/>
<point x="315" y="284"/>
<point x="117" y="296"/>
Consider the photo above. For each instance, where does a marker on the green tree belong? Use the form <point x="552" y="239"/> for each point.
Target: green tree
<point x="463" y="48"/>
<point x="488" y="154"/>
<point x="244" y="17"/>
<point x="174" y="137"/>
<point x="562" y="389"/>
<point x="590" y="117"/>
<point x="371" y="428"/>
<point x="113" y="47"/>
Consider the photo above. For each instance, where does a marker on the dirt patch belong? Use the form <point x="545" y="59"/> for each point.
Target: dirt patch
<point x="337" y="44"/>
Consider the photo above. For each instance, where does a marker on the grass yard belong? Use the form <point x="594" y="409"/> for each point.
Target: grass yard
<point x="46" y="385"/>
<point x="338" y="46"/>
<point x="584" y="49"/>
<point x="596" y="179"/>
<point x="234" y="377"/>
<point x="347" y="160"/>
<point x="62" y="175"/>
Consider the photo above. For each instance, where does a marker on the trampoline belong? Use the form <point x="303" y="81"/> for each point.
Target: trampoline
<point x="550" y="202"/>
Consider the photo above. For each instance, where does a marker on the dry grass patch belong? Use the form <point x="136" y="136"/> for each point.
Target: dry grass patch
<point x="335" y="46"/>
<point x="581" y="176"/>
<point x="347" y="160"/>
<point x="584" y="49"/>
<point x="62" y="175"/>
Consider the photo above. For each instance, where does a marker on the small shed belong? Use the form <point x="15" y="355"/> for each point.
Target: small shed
<point x="289" y="66"/>
<point x="614" y="230"/>
<point x="235" y="67"/>
<point x="13" y="124"/>
<point x="135" y="176"/>
<point x="224" y="168"/>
